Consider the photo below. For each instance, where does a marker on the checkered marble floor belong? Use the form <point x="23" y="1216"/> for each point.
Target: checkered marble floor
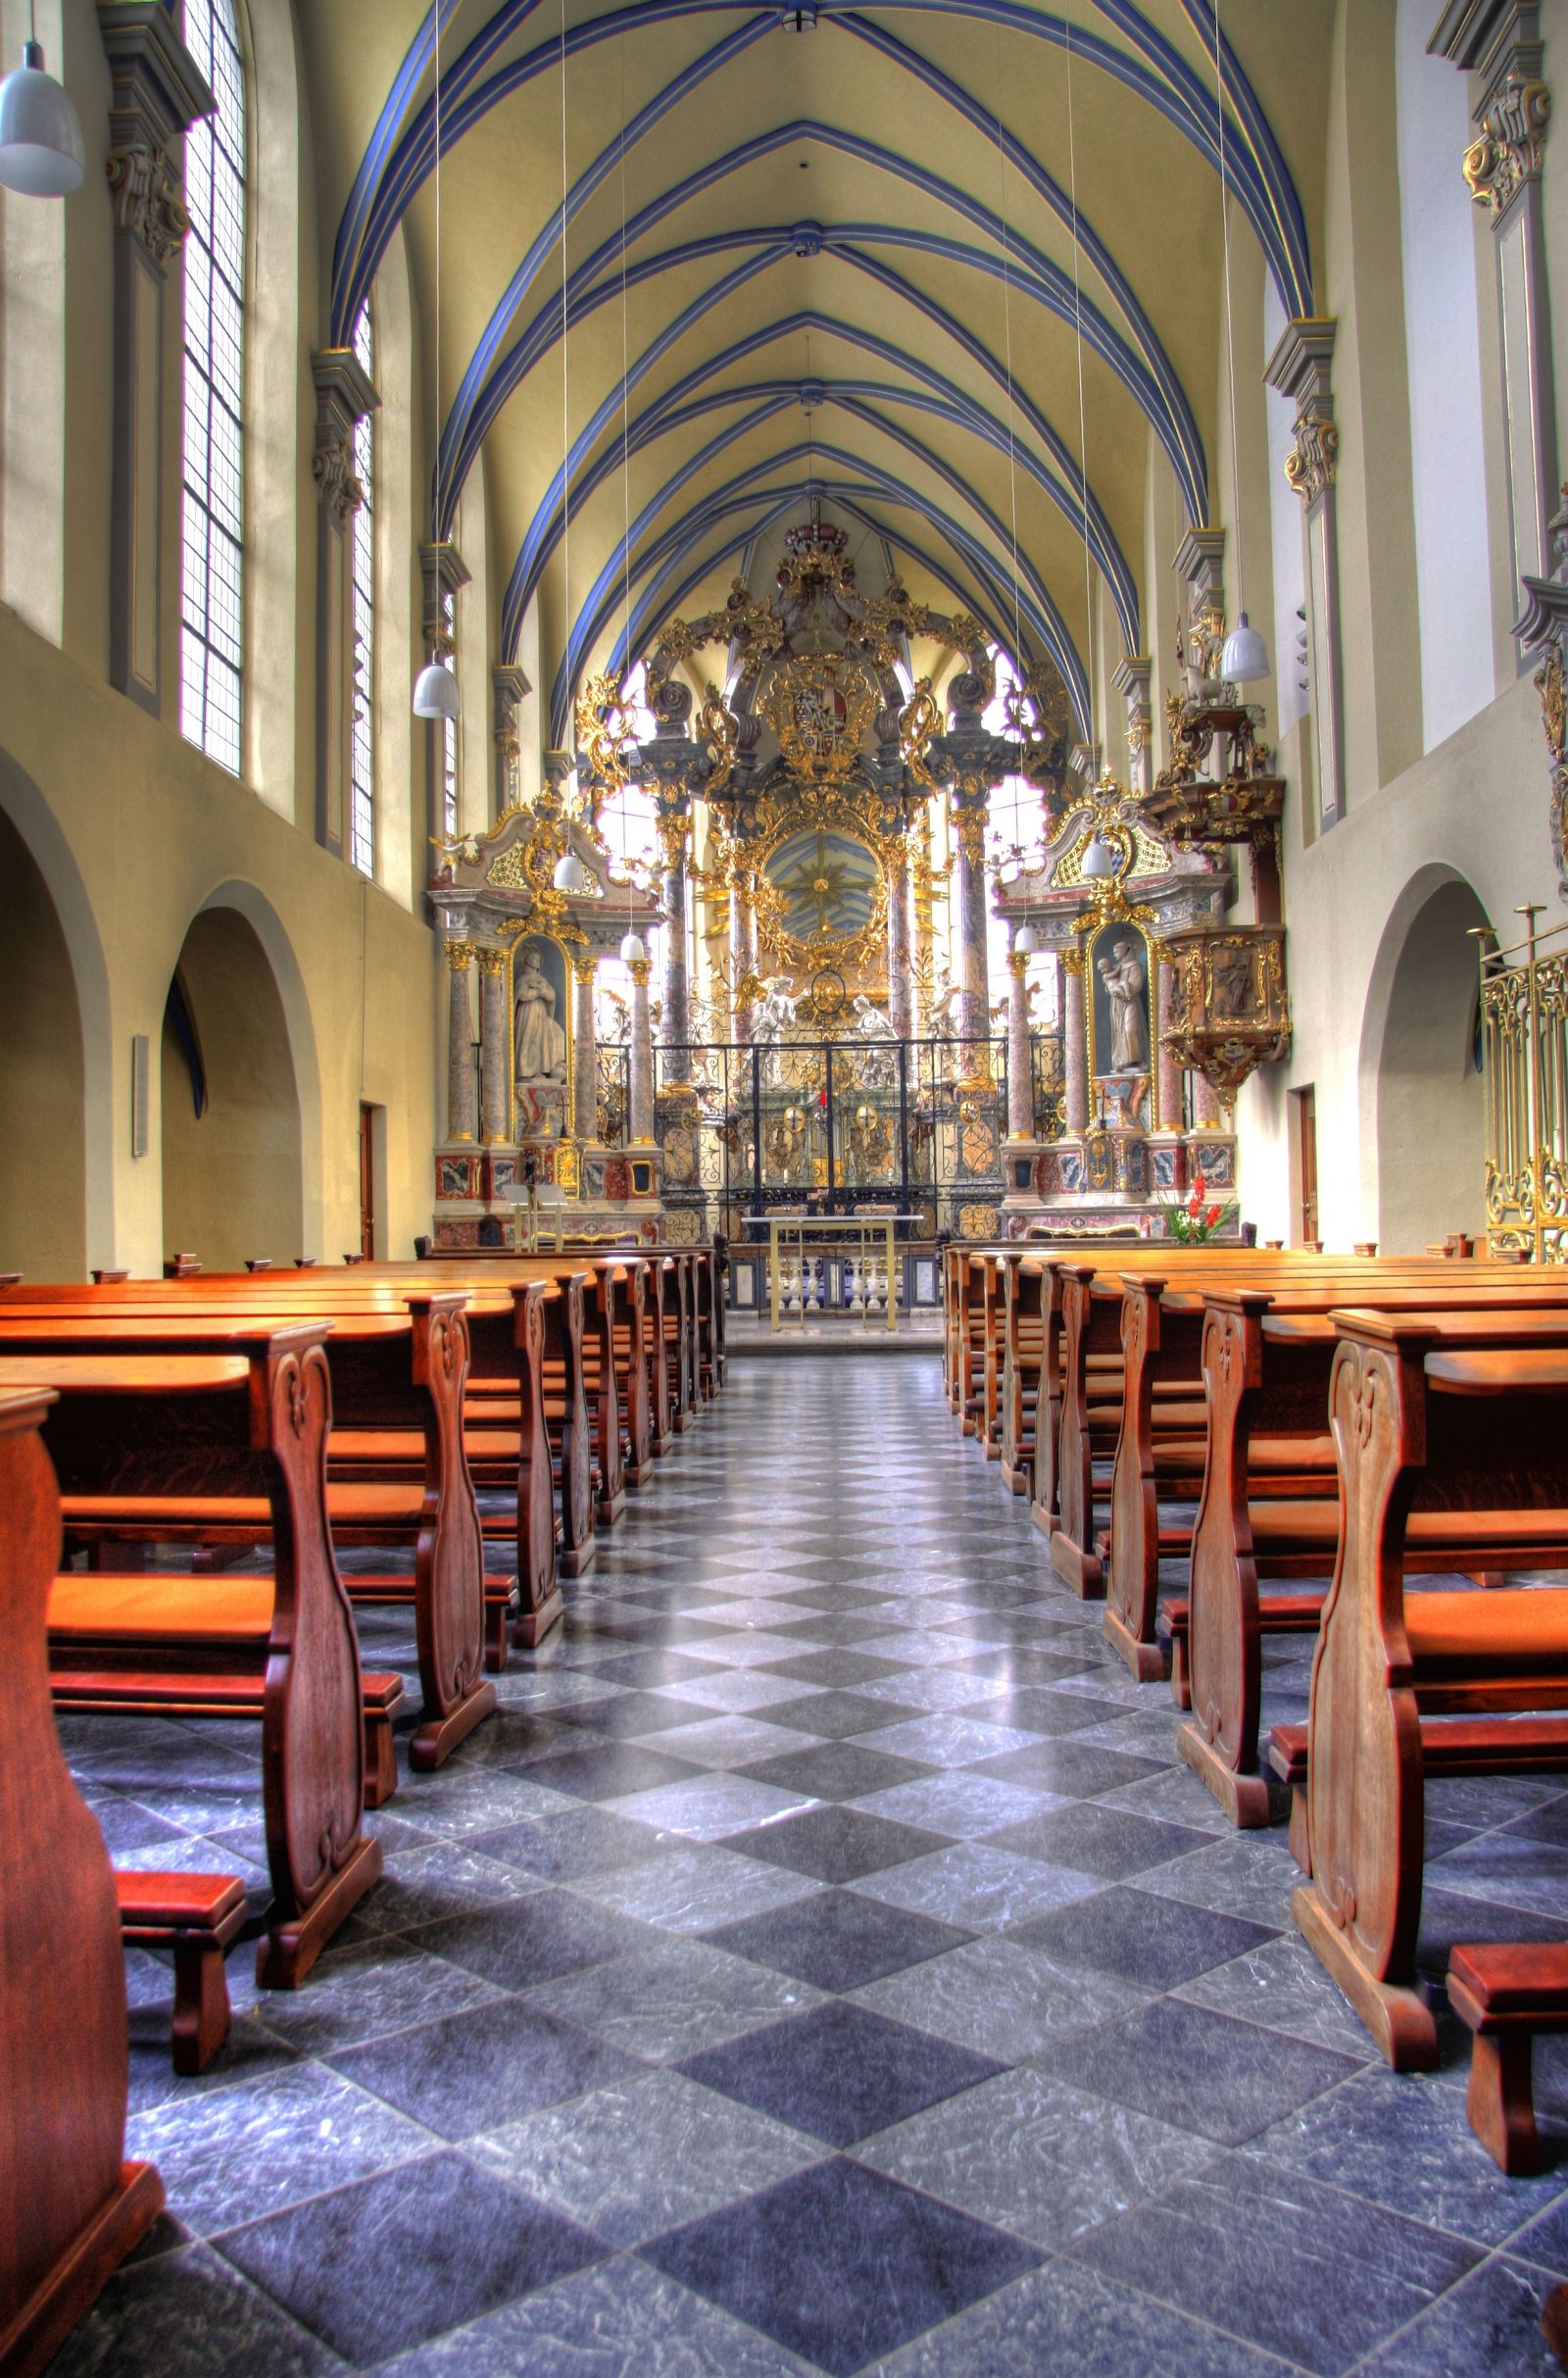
<point x="821" y="1963"/>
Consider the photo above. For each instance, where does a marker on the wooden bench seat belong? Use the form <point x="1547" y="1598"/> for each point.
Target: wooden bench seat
<point x="198" y="1917"/>
<point x="72" y="2206"/>
<point x="1506" y="1993"/>
<point x="1491" y="1454"/>
<point x="252" y="1413"/>
<point x="149" y="1642"/>
<point x="1450" y="1745"/>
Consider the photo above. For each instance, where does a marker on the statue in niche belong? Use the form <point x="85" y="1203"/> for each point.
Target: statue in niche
<point x="1126" y="986"/>
<point x="540" y="1042"/>
<point x="873" y="1031"/>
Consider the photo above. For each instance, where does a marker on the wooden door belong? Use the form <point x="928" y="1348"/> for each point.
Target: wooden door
<point x="368" y="1181"/>
<point x="1306" y="1165"/>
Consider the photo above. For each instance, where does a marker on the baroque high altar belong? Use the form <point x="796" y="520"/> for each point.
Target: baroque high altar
<point x="814" y="1039"/>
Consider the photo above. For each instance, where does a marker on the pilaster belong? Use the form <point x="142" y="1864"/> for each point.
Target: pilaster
<point x="509" y="689"/>
<point x="1300" y="368"/>
<point x="157" y="93"/>
<point x="344" y="394"/>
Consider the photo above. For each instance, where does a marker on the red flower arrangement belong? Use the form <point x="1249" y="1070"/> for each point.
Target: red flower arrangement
<point x="1192" y="1224"/>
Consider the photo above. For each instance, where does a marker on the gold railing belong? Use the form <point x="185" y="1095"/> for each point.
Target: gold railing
<point x="1524" y="1033"/>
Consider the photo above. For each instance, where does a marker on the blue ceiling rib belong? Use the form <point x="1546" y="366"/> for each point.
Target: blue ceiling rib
<point x="1157" y="391"/>
<point x="613" y="572"/>
<point x="1036" y="603"/>
<point x="665" y="598"/>
<point x="979" y="596"/>
<point x="1172" y="91"/>
<point x="664" y="417"/>
<point x="511" y="613"/>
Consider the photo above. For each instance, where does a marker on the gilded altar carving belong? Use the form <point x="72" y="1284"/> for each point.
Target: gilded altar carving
<point x="1230" y="1010"/>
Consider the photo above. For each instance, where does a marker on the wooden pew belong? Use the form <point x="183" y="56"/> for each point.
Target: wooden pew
<point x="249" y="1417"/>
<point x="398" y="1370"/>
<point x="1023" y="1349"/>
<point x="1267" y="1368"/>
<point x="1471" y="1441"/>
<point x="70" y="2208"/>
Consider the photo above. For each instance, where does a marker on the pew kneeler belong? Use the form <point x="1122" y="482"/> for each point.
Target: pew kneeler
<point x="1505" y="1993"/>
<point x="198" y="1917"/>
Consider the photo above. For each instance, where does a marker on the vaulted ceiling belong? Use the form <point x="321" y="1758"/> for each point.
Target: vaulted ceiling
<point x="828" y="251"/>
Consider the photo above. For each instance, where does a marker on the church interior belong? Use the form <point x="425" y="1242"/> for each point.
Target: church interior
<point x="783" y="1357"/>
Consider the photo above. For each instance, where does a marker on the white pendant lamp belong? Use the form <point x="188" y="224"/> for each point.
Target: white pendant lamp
<point x="633" y="948"/>
<point x="41" y="154"/>
<point x="1098" y="859"/>
<point x="435" y="692"/>
<point x="570" y="875"/>
<point x="1026" y="940"/>
<point x="1245" y="658"/>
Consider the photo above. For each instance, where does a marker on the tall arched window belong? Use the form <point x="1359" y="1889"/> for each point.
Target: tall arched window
<point x="362" y="732"/>
<point x="212" y="615"/>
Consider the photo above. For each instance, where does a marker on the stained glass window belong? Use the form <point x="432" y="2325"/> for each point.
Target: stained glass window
<point x="212" y="615"/>
<point x="362" y="731"/>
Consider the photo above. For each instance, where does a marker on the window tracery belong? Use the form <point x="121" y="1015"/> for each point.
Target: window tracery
<point x="211" y="578"/>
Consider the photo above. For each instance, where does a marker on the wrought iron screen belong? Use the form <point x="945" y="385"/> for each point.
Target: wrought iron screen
<point x="840" y="1123"/>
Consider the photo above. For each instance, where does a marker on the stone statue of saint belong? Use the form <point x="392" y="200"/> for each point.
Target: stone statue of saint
<point x="1125" y="984"/>
<point x="869" y="1022"/>
<point x="541" y="1043"/>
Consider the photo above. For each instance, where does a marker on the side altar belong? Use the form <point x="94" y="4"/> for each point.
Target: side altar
<point x="525" y="1126"/>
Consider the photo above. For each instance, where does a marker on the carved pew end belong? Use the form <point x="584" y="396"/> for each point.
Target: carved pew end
<point x="198" y="1917"/>
<point x="1146" y="1661"/>
<point x="1505" y="1994"/>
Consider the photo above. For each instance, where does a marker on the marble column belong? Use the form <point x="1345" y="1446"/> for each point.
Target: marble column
<point x="1206" y="1104"/>
<point x="1167" y="1072"/>
<point x="495" y="1120"/>
<point x="1074" y="1043"/>
<point x="584" y="1051"/>
<point x="742" y="950"/>
<point x="900" y="986"/>
<point x="1020" y="1075"/>
<point x="677" y="983"/>
<point x="641" y="1122"/>
<point x="974" y="998"/>
<point x="461" y="1100"/>
<point x="925" y="926"/>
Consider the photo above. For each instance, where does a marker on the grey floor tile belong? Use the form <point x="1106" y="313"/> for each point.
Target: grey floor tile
<point x="1225" y="2080"/>
<point x="1156" y="1943"/>
<point x="674" y="1999"/>
<point x="617" y="2319"/>
<point x="472" y="2071"/>
<point x="533" y="1940"/>
<point x="838" y="1939"/>
<point x="1035" y="2156"/>
<point x="839" y="2072"/>
<point x="1489" y="2327"/>
<point x="884" y="2263"/>
<point x="710" y="1805"/>
<point x="230" y="2155"/>
<point x="643" y="2154"/>
<point x="957" y="1801"/>
<point x="190" y="2315"/>
<point x="972" y="1883"/>
<point x="1062" y="2318"/>
<point x="1343" y="2275"/>
<point x="835" y="1845"/>
<point x="1000" y="2001"/>
<point x="390" y="2260"/>
<point x="695" y="1885"/>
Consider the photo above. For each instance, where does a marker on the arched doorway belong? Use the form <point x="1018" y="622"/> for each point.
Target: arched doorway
<point x="43" y="1157"/>
<point x="230" y="1108"/>
<point x="1431" y="1121"/>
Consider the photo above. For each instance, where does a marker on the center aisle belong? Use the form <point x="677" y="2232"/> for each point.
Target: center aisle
<point x="828" y="1946"/>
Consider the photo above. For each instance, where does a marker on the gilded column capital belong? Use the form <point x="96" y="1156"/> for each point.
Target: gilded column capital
<point x="1018" y="964"/>
<point x="675" y="836"/>
<point x="1509" y="149"/>
<point x="459" y="956"/>
<point x="443" y="572"/>
<point x="1072" y="962"/>
<point x="639" y="968"/>
<point x="1300" y="367"/>
<point x="585" y="967"/>
<point x="1312" y="463"/>
<point x="492" y="962"/>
